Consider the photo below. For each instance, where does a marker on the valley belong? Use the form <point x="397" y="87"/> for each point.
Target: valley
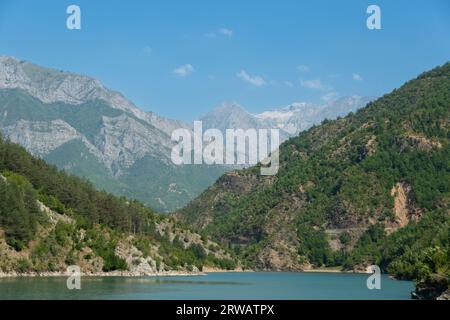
<point x="369" y="187"/>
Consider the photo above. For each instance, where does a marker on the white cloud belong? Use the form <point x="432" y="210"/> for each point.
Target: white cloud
<point x="289" y="84"/>
<point x="356" y="77"/>
<point x="313" y="84"/>
<point x="329" y="96"/>
<point x="148" y="50"/>
<point x="184" y="70"/>
<point x="210" y="35"/>
<point x="303" y="68"/>
<point x="274" y="83"/>
<point x="221" y="32"/>
<point x="226" y="32"/>
<point x="254" y="80"/>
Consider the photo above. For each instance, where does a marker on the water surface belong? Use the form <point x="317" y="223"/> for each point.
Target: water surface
<point x="240" y="285"/>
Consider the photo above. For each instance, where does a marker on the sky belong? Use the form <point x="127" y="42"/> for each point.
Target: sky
<point x="182" y="58"/>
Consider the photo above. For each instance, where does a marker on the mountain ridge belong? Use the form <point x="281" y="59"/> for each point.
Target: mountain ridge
<point x="55" y="113"/>
<point x="47" y="110"/>
<point x="51" y="85"/>
<point x="351" y="192"/>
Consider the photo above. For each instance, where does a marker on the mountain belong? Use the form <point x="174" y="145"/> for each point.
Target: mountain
<point x="291" y="120"/>
<point x="50" y="85"/>
<point x="50" y="220"/>
<point x="229" y="116"/>
<point x="76" y="123"/>
<point x="300" y="116"/>
<point x="370" y="188"/>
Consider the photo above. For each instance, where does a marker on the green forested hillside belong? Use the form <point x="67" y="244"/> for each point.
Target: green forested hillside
<point x="49" y="219"/>
<point x="373" y="187"/>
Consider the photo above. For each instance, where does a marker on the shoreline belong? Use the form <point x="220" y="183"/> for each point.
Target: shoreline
<point x="335" y="271"/>
<point x="215" y="270"/>
<point x="162" y="273"/>
<point x="99" y="274"/>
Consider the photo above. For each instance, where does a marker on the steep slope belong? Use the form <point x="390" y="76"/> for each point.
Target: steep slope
<point x="50" y="85"/>
<point x="346" y="190"/>
<point x="49" y="220"/>
<point x="76" y="123"/>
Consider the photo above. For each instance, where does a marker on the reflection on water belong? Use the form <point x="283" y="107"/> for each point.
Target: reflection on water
<point x="254" y="285"/>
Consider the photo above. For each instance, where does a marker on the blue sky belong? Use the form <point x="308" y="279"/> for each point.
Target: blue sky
<point x="182" y="58"/>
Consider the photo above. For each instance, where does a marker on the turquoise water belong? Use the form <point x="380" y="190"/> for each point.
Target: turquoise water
<point x="251" y="285"/>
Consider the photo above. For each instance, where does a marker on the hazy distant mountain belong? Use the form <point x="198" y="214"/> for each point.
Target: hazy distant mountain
<point x="291" y="120"/>
<point x="300" y="116"/>
<point x="229" y="116"/>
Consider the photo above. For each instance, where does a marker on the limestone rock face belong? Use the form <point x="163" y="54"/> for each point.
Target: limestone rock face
<point x="41" y="137"/>
<point x="50" y="85"/>
<point x="132" y="134"/>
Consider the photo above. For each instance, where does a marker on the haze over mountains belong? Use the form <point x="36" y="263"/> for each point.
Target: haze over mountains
<point x="291" y="120"/>
<point x="76" y="123"/>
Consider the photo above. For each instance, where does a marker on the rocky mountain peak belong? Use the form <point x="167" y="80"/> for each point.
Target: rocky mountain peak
<point x="51" y="85"/>
<point x="229" y="115"/>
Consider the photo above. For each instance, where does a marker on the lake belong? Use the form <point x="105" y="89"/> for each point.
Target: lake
<point x="239" y="285"/>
